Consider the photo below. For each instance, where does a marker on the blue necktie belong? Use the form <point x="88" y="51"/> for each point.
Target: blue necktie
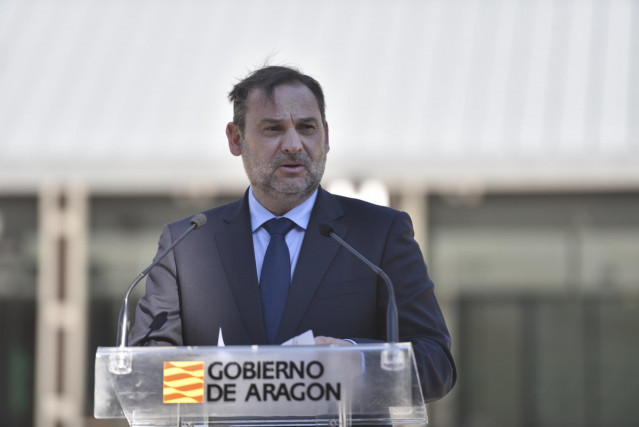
<point x="275" y="278"/>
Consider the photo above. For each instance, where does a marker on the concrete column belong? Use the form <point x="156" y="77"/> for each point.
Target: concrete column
<point x="415" y="203"/>
<point x="61" y="307"/>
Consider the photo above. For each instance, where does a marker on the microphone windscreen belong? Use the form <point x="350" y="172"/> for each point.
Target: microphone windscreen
<point x="325" y="229"/>
<point x="198" y="220"/>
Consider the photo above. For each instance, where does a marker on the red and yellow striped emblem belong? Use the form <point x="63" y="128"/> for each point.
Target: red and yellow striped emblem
<point x="183" y="382"/>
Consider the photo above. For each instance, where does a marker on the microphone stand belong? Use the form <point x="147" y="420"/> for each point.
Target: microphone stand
<point x="392" y="329"/>
<point x="123" y="323"/>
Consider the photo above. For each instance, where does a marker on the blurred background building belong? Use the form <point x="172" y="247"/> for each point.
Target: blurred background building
<point x="508" y="129"/>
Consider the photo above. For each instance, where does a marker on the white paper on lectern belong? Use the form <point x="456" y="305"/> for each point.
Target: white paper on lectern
<point x="306" y="338"/>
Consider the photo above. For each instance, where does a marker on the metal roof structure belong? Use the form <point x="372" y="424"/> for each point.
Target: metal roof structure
<point x="440" y="93"/>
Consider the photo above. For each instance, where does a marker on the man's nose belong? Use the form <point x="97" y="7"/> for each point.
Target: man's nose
<point x="292" y="142"/>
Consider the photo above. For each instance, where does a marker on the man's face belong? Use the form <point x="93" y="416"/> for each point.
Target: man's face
<point x="284" y="144"/>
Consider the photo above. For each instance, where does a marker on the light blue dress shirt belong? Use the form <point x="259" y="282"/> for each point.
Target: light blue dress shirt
<point x="300" y="215"/>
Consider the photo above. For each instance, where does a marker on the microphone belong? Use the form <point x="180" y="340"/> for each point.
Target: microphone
<point x="196" y="222"/>
<point x="392" y="331"/>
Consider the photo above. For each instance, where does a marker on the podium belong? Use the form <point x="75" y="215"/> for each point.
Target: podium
<point x="366" y="384"/>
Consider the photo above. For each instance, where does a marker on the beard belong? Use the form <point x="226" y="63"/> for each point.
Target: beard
<point x="262" y="176"/>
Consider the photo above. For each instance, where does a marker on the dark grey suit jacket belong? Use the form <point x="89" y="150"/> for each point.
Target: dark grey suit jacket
<point x="210" y="281"/>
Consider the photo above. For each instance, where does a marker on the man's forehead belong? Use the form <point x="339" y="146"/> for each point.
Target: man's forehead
<point x="282" y="97"/>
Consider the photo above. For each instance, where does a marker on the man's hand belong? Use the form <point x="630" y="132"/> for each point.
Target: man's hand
<point x="330" y="340"/>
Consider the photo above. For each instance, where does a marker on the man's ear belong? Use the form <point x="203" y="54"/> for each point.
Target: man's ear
<point x="328" y="147"/>
<point x="234" y="136"/>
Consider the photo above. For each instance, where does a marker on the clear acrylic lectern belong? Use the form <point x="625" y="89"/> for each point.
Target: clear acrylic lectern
<point x="369" y="384"/>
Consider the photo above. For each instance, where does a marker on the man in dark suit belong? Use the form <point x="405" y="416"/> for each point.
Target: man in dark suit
<point x="214" y="280"/>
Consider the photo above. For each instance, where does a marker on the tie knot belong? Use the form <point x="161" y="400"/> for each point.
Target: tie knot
<point x="280" y="226"/>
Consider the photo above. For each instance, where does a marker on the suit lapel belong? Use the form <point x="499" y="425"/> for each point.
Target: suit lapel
<point x="315" y="258"/>
<point x="235" y="246"/>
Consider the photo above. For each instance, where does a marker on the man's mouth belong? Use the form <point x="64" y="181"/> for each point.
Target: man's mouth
<point x="292" y="166"/>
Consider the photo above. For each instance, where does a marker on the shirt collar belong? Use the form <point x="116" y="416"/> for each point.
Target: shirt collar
<point x="300" y="214"/>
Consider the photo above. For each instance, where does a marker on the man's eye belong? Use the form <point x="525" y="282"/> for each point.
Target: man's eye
<point x="273" y="128"/>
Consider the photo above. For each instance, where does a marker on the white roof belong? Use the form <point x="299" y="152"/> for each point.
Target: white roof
<point x="121" y="94"/>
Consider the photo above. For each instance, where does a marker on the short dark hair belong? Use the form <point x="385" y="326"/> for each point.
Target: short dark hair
<point x="267" y="79"/>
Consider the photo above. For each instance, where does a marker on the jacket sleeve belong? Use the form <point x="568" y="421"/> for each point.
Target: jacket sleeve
<point x="420" y="318"/>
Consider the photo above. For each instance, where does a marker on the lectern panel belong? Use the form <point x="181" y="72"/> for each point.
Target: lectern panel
<point x="259" y="385"/>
